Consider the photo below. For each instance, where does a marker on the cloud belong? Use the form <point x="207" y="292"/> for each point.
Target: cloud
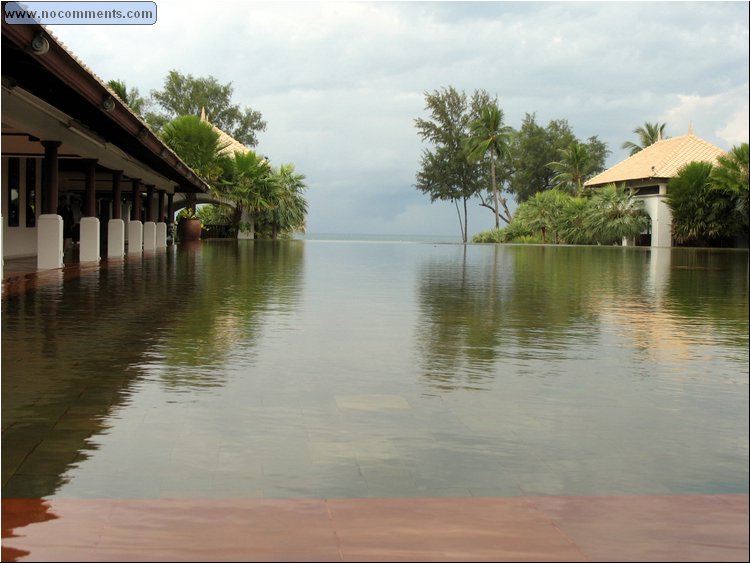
<point x="340" y="83"/>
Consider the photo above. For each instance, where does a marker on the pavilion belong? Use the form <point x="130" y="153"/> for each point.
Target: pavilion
<point x="66" y="136"/>
<point x="648" y="172"/>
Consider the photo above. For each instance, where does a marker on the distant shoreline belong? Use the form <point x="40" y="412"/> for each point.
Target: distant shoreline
<point x="353" y="237"/>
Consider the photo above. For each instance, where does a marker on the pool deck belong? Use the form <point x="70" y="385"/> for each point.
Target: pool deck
<point x="637" y="528"/>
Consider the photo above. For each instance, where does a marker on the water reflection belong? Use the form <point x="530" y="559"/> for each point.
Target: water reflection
<point x="494" y="312"/>
<point x="342" y="369"/>
<point x="75" y="353"/>
<point x="235" y="285"/>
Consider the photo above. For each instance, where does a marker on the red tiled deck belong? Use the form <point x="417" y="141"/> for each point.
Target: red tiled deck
<point x="638" y="528"/>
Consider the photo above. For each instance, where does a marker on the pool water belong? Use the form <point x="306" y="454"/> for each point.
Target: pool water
<point x="321" y="369"/>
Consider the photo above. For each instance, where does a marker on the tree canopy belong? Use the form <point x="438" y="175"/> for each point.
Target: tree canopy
<point x="188" y="95"/>
<point x="648" y="134"/>
<point x="445" y="171"/>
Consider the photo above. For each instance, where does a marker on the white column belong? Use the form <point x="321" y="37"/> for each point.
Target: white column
<point x="161" y="235"/>
<point x="149" y="236"/>
<point x="90" y="242"/>
<point x="247" y="219"/>
<point x="661" y="224"/>
<point x="49" y="242"/>
<point x="135" y="237"/>
<point x="115" y="238"/>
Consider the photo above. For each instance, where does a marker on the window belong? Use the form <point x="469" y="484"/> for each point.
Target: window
<point x="14" y="191"/>
<point x="31" y="192"/>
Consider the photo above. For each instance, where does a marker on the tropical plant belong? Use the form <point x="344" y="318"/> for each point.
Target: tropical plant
<point x="730" y="178"/>
<point x="196" y="143"/>
<point x="543" y="213"/>
<point x="573" y="168"/>
<point x="188" y="95"/>
<point x="648" y="134"/>
<point x="445" y="172"/>
<point x="613" y="214"/>
<point x="288" y="209"/>
<point x="488" y="135"/>
<point x="131" y="97"/>
<point x="693" y="211"/>
<point x="248" y="183"/>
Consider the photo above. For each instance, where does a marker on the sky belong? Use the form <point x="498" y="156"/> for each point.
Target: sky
<point x="341" y="83"/>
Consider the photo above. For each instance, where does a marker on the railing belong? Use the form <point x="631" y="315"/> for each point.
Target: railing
<point x="218" y="231"/>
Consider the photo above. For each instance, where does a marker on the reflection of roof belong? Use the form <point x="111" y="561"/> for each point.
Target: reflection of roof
<point x="663" y="159"/>
<point x="229" y="145"/>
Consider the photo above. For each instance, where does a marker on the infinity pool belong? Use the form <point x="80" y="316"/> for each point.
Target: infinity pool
<point x="304" y="369"/>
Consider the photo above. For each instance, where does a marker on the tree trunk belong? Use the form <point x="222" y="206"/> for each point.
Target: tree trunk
<point x="466" y="222"/>
<point x="494" y="191"/>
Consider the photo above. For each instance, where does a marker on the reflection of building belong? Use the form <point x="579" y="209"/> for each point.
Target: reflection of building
<point x="68" y="138"/>
<point x="648" y="171"/>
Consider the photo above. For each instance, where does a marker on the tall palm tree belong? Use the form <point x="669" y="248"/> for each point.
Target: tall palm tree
<point x="648" y="134"/>
<point x="487" y="134"/>
<point x="572" y="169"/>
<point x="289" y="206"/>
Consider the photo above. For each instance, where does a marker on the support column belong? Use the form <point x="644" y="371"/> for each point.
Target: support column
<point x="90" y="245"/>
<point x="135" y="227"/>
<point x="149" y="227"/>
<point x="49" y="234"/>
<point x="116" y="226"/>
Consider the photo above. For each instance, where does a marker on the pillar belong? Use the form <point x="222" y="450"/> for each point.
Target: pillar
<point x="116" y="226"/>
<point x="90" y="245"/>
<point x="49" y="234"/>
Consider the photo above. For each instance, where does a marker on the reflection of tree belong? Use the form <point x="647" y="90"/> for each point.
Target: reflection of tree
<point x="237" y="282"/>
<point x="515" y="303"/>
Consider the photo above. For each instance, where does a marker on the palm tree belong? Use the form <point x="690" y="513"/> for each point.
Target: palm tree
<point x="249" y="184"/>
<point x="613" y="214"/>
<point x="196" y="143"/>
<point x="543" y="213"/>
<point x="289" y="207"/>
<point x="572" y="169"/>
<point x="488" y="134"/>
<point x="648" y="135"/>
<point x="730" y="177"/>
<point x="131" y="97"/>
<point x="689" y="197"/>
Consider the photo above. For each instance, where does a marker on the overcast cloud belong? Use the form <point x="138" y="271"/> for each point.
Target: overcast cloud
<point x="340" y="84"/>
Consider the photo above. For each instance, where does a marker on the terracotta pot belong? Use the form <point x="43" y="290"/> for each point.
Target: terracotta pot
<point x="189" y="229"/>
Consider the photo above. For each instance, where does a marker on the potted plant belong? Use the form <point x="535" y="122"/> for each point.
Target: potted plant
<point x="188" y="224"/>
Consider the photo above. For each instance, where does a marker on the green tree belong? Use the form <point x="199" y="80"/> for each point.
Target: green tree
<point x="648" y="134"/>
<point x="533" y="148"/>
<point x="578" y="162"/>
<point x="196" y="143"/>
<point x="730" y="178"/>
<point x="187" y="95"/>
<point x="693" y="204"/>
<point x="248" y="183"/>
<point x="612" y="214"/>
<point x="130" y="96"/>
<point x="488" y="135"/>
<point x="544" y="213"/>
<point x="445" y="171"/>
<point x="288" y="210"/>
<point x="572" y="169"/>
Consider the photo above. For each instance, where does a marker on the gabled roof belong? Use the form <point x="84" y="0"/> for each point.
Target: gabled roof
<point x="663" y="159"/>
<point x="229" y="145"/>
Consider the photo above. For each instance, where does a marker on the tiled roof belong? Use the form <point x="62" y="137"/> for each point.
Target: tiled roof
<point x="229" y="145"/>
<point x="663" y="159"/>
